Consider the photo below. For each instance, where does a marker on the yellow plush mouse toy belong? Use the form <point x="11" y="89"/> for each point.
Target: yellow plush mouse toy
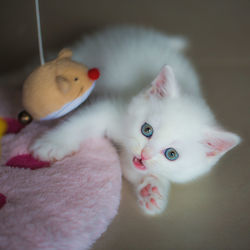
<point x="56" y="87"/>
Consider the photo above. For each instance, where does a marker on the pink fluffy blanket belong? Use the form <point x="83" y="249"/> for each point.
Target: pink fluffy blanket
<point x="67" y="205"/>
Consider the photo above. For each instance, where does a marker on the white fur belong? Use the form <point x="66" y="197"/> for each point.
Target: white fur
<point x="129" y="59"/>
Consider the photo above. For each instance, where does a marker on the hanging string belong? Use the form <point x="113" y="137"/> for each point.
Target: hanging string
<point x="40" y="43"/>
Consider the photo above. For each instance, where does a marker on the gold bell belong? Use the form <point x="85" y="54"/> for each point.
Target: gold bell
<point x="24" y="117"/>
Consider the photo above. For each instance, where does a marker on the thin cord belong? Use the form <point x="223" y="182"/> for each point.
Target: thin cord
<point x="40" y="43"/>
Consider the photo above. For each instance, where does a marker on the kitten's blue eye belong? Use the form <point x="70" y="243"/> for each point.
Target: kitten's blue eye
<point x="171" y="154"/>
<point x="147" y="130"/>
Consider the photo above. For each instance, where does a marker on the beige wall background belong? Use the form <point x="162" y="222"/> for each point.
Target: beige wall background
<point x="214" y="211"/>
<point x="218" y="29"/>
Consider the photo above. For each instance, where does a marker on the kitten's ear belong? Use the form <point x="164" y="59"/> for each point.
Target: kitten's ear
<point x="218" y="142"/>
<point x="165" y="84"/>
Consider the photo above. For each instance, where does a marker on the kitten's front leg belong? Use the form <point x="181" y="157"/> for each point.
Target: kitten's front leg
<point x="152" y="194"/>
<point x="65" y="139"/>
<point x="55" y="144"/>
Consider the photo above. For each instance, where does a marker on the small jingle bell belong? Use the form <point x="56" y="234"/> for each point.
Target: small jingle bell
<point x="24" y="117"/>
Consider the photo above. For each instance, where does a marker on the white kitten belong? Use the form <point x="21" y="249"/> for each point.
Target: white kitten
<point x="166" y="131"/>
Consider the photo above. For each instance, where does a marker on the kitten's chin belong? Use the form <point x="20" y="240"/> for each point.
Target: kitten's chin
<point x="139" y="164"/>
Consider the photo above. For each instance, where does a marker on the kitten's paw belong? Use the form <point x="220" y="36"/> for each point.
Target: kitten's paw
<point x="46" y="149"/>
<point x="152" y="195"/>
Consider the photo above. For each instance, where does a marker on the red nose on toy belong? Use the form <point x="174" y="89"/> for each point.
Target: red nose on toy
<point x="94" y="74"/>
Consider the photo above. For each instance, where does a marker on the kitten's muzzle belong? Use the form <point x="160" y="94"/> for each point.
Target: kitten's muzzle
<point x="138" y="163"/>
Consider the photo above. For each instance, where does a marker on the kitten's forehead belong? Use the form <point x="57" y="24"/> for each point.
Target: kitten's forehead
<point x="179" y="117"/>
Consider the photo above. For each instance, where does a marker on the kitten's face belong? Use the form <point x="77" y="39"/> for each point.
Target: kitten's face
<point x="172" y="135"/>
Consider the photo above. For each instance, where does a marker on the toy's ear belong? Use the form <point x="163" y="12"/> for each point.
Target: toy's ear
<point x="63" y="84"/>
<point x="65" y="53"/>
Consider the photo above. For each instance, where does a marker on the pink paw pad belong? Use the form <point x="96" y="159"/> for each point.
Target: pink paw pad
<point x="156" y="191"/>
<point x="153" y="202"/>
<point x="145" y="191"/>
<point x="147" y="206"/>
<point x="150" y="198"/>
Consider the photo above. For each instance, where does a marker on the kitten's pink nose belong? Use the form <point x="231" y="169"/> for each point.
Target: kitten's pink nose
<point x="145" y="154"/>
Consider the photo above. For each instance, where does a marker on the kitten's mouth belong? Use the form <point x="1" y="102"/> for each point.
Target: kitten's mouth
<point x="138" y="163"/>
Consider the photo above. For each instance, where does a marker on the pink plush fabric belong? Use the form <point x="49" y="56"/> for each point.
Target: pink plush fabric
<point x="13" y="125"/>
<point x="65" y="206"/>
<point x="2" y="200"/>
<point x="26" y="161"/>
